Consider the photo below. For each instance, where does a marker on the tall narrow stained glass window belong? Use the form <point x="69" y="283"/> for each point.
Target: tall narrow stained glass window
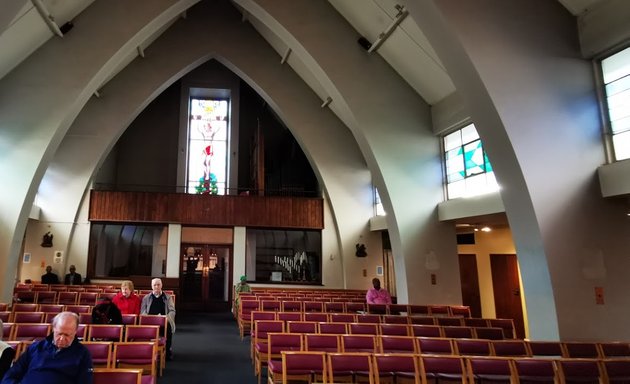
<point x="468" y="170"/>
<point x="207" y="146"/>
<point x="616" y="75"/>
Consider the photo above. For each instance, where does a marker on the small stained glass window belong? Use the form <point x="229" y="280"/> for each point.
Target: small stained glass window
<point x="616" y="75"/>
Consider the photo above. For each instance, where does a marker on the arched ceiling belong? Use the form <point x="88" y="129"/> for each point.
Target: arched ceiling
<point x="26" y="24"/>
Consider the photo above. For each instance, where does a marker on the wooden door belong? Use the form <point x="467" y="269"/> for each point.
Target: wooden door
<point x="470" y="283"/>
<point x="507" y="291"/>
<point x="204" y="275"/>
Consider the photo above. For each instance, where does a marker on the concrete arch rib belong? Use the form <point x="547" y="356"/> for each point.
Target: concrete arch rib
<point x="44" y="94"/>
<point x="392" y="126"/>
<point x="328" y="144"/>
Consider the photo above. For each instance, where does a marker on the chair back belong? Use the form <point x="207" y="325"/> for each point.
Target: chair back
<point x="418" y="310"/>
<point x="435" y="346"/>
<point x="435" y="367"/>
<point x="333" y="328"/>
<point x="493" y="369"/>
<point x="46" y="297"/>
<point x="303" y="365"/>
<point x="396" y="365"/>
<point x="316" y="316"/>
<point x="369" y="318"/>
<point x="322" y="343"/>
<point x="28" y="317"/>
<point x="270" y="305"/>
<point x="581" y="349"/>
<point x="25" y="307"/>
<point x="354" y="307"/>
<point x="101" y="352"/>
<point x="142" y="332"/>
<point x="359" y="343"/>
<point x="51" y="308"/>
<point x="346" y="367"/>
<point x="545" y="348"/>
<point x="472" y="347"/>
<point x="343" y="318"/>
<point x="87" y="298"/>
<point x="67" y="298"/>
<point x="117" y="376"/>
<point x="380" y="309"/>
<point x="363" y="328"/>
<point x="30" y="331"/>
<point x="159" y="320"/>
<point x="614" y="349"/>
<point x="289" y="316"/>
<point x="129" y="318"/>
<point x="535" y="370"/>
<point x="7" y="330"/>
<point x="5" y="316"/>
<point x="105" y="332"/>
<point x="291" y="306"/>
<point x="459" y="310"/>
<point x="457" y="332"/>
<point x="490" y="333"/>
<point x="422" y="320"/>
<point x="397" y="344"/>
<point x="138" y="355"/>
<point x="301" y="327"/>
<point x="335" y="307"/>
<point x="507" y="325"/>
<point x="579" y="370"/>
<point x="313" y="306"/>
<point x="79" y="309"/>
<point x="395" y="319"/>
<point x="449" y="321"/>
<point x="616" y="370"/>
<point x="509" y="348"/>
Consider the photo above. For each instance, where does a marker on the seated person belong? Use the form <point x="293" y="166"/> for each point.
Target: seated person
<point x="126" y="300"/>
<point x="72" y="278"/>
<point x="49" y="277"/>
<point x="106" y="312"/>
<point x="377" y="295"/>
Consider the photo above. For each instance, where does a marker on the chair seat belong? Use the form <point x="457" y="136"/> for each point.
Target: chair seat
<point x="275" y="366"/>
<point x="147" y="379"/>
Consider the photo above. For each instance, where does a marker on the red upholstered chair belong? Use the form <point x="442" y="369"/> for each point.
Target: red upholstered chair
<point x="24" y="297"/>
<point x="456" y="332"/>
<point x="616" y="370"/>
<point x="507" y="325"/>
<point x="322" y="342"/>
<point x="335" y="307"/>
<point x="342" y="318"/>
<point x="363" y="328"/>
<point x="79" y="309"/>
<point x="87" y="298"/>
<point x="290" y="316"/>
<point x="435" y="346"/>
<point x="7" y="331"/>
<point x="260" y="315"/>
<point x="354" y="307"/>
<point x="270" y="305"/>
<point x="395" y="319"/>
<point x="378" y="309"/>
<point x="459" y="310"/>
<point x="359" y="343"/>
<point x="415" y="310"/>
<point x="419" y="330"/>
<point x="445" y="368"/>
<point x="350" y="367"/>
<point x="85" y="318"/>
<point x="299" y="366"/>
<point x="261" y="331"/>
<point x="581" y="349"/>
<point x="509" y="348"/>
<point x="475" y="322"/>
<point x="313" y="306"/>
<point x="25" y="307"/>
<point x="101" y="352"/>
<point x="4" y="307"/>
<point x="449" y="321"/>
<point x="398" y="309"/>
<point x="5" y="316"/>
<point x="422" y="320"/>
<point x="529" y="370"/>
<point x="245" y="309"/>
<point x="472" y="347"/>
<point x="316" y="316"/>
<point x="28" y="317"/>
<point x="162" y="322"/>
<point x="368" y="318"/>
<point x="397" y="344"/>
<point x="490" y="333"/>
<point x="333" y="328"/>
<point x="51" y="308"/>
<point x="116" y="375"/>
<point x="439" y="310"/>
<point x="614" y="349"/>
<point x="579" y="371"/>
<point x="291" y="306"/>
<point x="545" y="348"/>
<point x="30" y="332"/>
<point x="129" y="318"/>
<point x="490" y="369"/>
<point x="145" y="333"/>
<point x="394" y="329"/>
<point x="82" y="331"/>
<point x="105" y="295"/>
<point x="46" y="297"/>
<point x="137" y="355"/>
<point x="67" y="298"/>
<point x="276" y="344"/>
<point x="402" y="367"/>
<point x="301" y="327"/>
<point x="105" y="332"/>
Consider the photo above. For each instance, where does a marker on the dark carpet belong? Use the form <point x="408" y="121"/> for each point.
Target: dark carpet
<point x="208" y="349"/>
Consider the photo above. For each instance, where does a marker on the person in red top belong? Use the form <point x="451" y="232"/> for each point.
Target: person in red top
<point x="127" y="301"/>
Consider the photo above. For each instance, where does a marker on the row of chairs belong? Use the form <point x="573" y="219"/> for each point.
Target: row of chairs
<point x="68" y="297"/>
<point x="418" y="368"/>
<point x="275" y="304"/>
<point x="46" y="316"/>
<point x="117" y="375"/>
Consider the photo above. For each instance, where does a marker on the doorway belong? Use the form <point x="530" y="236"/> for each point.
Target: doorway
<point x="204" y="277"/>
<point x="469" y="277"/>
<point x="507" y="291"/>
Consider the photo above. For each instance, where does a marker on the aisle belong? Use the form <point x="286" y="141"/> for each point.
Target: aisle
<point x="207" y="349"/>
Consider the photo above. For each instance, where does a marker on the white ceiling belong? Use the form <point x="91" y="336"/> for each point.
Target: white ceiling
<point x="23" y="30"/>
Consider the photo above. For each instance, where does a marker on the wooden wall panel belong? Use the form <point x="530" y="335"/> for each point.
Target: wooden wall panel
<point x="250" y="211"/>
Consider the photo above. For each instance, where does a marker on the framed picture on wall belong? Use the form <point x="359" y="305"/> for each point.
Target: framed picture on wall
<point x="379" y="270"/>
<point x="27" y="258"/>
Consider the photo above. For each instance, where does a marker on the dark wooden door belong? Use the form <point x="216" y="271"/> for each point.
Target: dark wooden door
<point x="507" y="291"/>
<point x="470" y="283"/>
<point x="203" y="276"/>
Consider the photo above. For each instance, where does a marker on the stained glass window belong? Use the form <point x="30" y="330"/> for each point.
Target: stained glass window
<point x="468" y="170"/>
<point x="207" y="146"/>
<point x="616" y="75"/>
